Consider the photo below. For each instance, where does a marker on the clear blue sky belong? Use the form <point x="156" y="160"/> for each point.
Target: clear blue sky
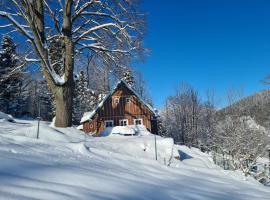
<point x="212" y="44"/>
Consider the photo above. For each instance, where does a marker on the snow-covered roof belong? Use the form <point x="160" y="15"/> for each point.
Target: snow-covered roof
<point x="89" y="115"/>
<point x="80" y="127"/>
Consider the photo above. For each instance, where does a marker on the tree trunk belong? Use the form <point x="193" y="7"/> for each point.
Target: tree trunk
<point x="64" y="104"/>
<point x="64" y="93"/>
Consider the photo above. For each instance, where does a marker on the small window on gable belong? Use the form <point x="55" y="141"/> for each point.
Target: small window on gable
<point x="109" y="123"/>
<point x="116" y="100"/>
<point x="128" y="100"/>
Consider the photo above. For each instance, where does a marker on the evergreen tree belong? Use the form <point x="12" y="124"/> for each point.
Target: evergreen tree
<point x="40" y="100"/>
<point x="45" y="101"/>
<point x="11" y="78"/>
<point x="32" y="101"/>
<point x="128" y="77"/>
<point x="85" y="99"/>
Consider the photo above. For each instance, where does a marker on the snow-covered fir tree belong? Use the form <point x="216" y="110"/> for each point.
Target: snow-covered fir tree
<point x="40" y="100"/>
<point x="128" y="77"/>
<point x="11" y="78"/>
<point x="85" y="99"/>
<point x="46" y="101"/>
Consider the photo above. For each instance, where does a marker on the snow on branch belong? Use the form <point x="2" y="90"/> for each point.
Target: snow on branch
<point x="32" y="60"/>
<point x="82" y="8"/>
<point x="102" y="48"/>
<point x="17" y="24"/>
<point x="106" y="25"/>
<point x="7" y="25"/>
<point x="77" y="29"/>
<point x="102" y="14"/>
<point x="53" y="17"/>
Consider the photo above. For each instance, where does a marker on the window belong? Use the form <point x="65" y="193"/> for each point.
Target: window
<point x="116" y="100"/>
<point x="128" y="100"/>
<point x="138" y="122"/>
<point x="109" y="123"/>
<point x="123" y="122"/>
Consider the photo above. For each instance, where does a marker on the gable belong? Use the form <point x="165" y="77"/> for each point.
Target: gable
<point x="122" y="90"/>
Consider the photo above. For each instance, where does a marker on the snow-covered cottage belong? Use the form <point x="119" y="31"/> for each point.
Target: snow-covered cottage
<point x="121" y="107"/>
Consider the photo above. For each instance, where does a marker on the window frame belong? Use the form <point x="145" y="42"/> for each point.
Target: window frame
<point x="128" y="100"/>
<point x="108" y="121"/>
<point x="116" y="99"/>
<point x="123" y="120"/>
<point x="139" y="119"/>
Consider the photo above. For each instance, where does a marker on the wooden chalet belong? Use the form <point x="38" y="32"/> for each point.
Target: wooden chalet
<point x="121" y="107"/>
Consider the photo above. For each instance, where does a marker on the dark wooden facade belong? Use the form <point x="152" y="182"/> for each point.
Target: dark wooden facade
<point x="122" y="104"/>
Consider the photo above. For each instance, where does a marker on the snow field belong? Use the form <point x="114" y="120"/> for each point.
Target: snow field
<point x="67" y="164"/>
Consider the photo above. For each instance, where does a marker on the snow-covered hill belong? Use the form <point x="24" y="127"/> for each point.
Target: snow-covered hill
<point x="255" y="106"/>
<point x="66" y="164"/>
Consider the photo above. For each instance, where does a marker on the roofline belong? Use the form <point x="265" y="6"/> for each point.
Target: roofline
<point x="138" y="96"/>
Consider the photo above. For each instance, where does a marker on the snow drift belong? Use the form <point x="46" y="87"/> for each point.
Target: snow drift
<point x="6" y="117"/>
<point x="140" y="142"/>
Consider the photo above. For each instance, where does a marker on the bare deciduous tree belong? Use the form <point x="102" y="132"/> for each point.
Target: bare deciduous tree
<point x="181" y="115"/>
<point x="111" y="29"/>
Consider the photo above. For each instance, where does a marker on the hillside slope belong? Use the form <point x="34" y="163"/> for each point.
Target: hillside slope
<point x="61" y="165"/>
<point x="256" y="106"/>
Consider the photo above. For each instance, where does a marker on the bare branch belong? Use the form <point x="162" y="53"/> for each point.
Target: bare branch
<point x="55" y="20"/>
<point x="82" y="8"/>
<point x="98" y="46"/>
<point x="16" y="24"/>
<point x="106" y="25"/>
